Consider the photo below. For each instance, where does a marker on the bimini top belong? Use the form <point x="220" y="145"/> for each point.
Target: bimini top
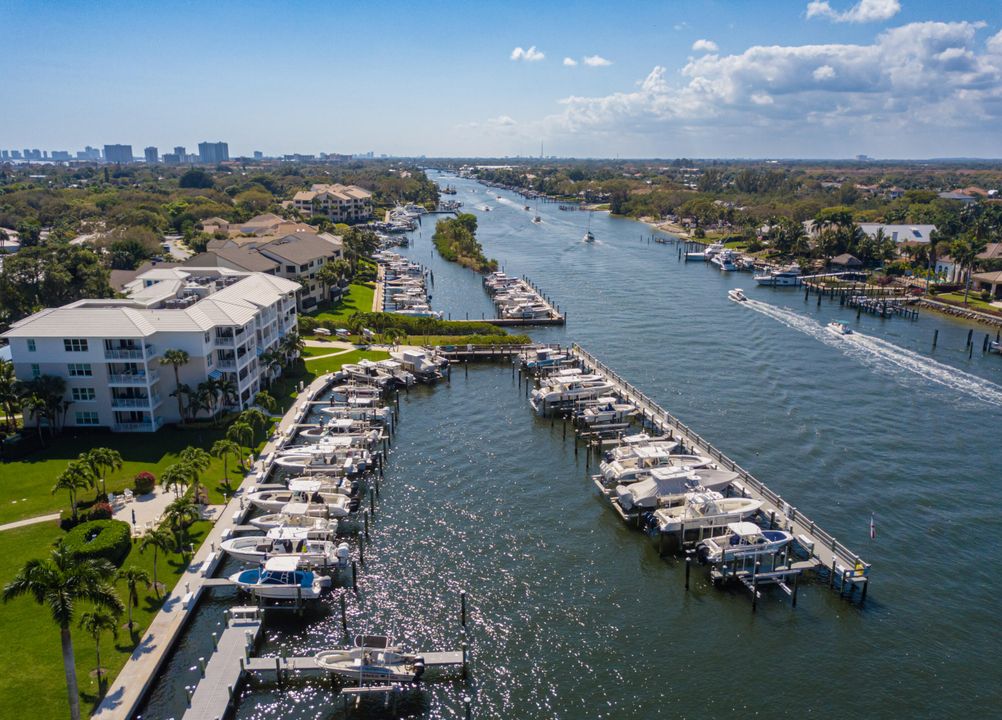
<point x="744" y="529"/>
<point x="305" y="486"/>
<point x="282" y="563"/>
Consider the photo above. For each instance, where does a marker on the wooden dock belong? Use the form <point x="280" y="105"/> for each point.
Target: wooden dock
<point x="845" y="569"/>
<point x="222" y="673"/>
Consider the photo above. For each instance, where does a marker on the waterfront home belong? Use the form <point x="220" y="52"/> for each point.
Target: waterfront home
<point x="846" y="262"/>
<point x="990" y="281"/>
<point x="110" y="352"/>
<point x="900" y="233"/>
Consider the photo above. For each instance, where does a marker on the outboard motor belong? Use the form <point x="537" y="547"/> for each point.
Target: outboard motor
<point x="356" y="488"/>
<point x="354" y="504"/>
<point x="648" y="521"/>
<point x="418" y="668"/>
<point x="342" y="553"/>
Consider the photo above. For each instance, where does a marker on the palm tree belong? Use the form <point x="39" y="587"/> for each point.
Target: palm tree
<point x="101" y="460"/>
<point x="76" y="477"/>
<point x="204" y="397"/>
<point x="195" y="461"/>
<point x="964" y="251"/>
<point x="175" y="476"/>
<point x="95" y="622"/>
<point x="265" y="400"/>
<point x="227" y="390"/>
<point x="270" y="360"/>
<point x="8" y="392"/>
<point x="327" y="275"/>
<point x="4" y="237"/>
<point x="34" y="405"/>
<point x="176" y="359"/>
<point x="241" y="433"/>
<point x="159" y="539"/>
<point x="179" y="515"/>
<point x="224" y="450"/>
<point x="133" y="577"/>
<point x="59" y="582"/>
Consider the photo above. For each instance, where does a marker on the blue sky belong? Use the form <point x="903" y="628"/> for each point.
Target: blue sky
<point x="888" y="78"/>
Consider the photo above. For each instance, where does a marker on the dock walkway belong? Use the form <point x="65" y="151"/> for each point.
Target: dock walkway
<point x="845" y="566"/>
<point x="221" y="675"/>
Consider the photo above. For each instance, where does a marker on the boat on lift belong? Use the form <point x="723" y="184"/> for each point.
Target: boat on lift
<point x="373" y="659"/>
<point x="742" y="540"/>
<point x="282" y="579"/>
<point x="288" y="542"/>
<point x="702" y="511"/>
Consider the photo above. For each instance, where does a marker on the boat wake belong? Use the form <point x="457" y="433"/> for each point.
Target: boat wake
<point x="886" y="356"/>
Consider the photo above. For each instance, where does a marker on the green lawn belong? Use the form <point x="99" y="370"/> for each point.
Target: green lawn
<point x="460" y="340"/>
<point x="357" y="298"/>
<point x="32" y="682"/>
<point x="974" y="301"/>
<point x="321" y="366"/>
<point x="26" y="484"/>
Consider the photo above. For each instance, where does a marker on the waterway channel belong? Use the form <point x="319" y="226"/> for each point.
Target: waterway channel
<point x="574" y="615"/>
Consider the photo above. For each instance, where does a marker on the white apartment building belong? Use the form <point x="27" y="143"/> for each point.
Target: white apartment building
<point x="110" y="352"/>
<point x="338" y="203"/>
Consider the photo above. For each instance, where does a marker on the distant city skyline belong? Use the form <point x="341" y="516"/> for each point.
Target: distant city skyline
<point x="801" y="78"/>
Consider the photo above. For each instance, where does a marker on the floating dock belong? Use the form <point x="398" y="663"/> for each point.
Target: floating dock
<point x="222" y="674"/>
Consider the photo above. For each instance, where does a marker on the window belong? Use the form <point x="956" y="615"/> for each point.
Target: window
<point x="83" y="394"/>
<point x="304" y="268"/>
<point x="87" y="418"/>
<point x="31" y="345"/>
<point x="36" y="371"/>
<point x="75" y="345"/>
<point x="290" y="268"/>
<point x="80" y="370"/>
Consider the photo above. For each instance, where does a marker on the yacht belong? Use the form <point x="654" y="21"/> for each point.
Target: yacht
<point x="668" y="486"/>
<point x="281" y="579"/>
<point x="742" y="540"/>
<point x="712" y="249"/>
<point x="725" y="260"/>
<point x="580" y="389"/>
<point x="704" y="510"/>
<point x="374" y="658"/>
<point x="737" y="295"/>
<point x="780" y="278"/>
<point x="839" y="328"/>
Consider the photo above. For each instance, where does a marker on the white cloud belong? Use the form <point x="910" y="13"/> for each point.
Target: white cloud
<point x="705" y="46"/>
<point x="825" y="72"/>
<point x="596" y="61"/>
<point x="910" y="81"/>
<point x="502" y="121"/>
<point x="529" y="55"/>
<point x="861" y="12"/>
<point x="570" y="62"/>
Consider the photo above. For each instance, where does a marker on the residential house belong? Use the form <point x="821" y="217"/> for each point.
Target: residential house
<point x="900" y="233"/>
<point x="338" y="203"/>
<point x="111" y="352"/>
<point x="990" y="281"/>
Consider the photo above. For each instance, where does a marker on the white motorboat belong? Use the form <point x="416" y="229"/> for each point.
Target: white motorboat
<point x="780" y="278"/>
<point x="589" y="237"/>
<point x="704" y="510"/>
<point x="641" y="461"/>
<point x="336" y="504"/>
<point x="839" y="328"/>
<point x="348" y="391"/>
<point x="544" y="357"/>
<point x="573" y="390"/>
<point x="607" y="411"/>
<point x="665" y="487"/>
<point x="725" y="260"/>
<point x="292" y="542"/>
<point x="300" y="515"/>
<point x="282" y="579"/>
<point x="537" y="220"/>
<point x="743" y="540"/>
<point x="373" y="659"/>
<point x="995" y="346"/>
<point x="737" y="295"/>
<point x="712" y="249"/>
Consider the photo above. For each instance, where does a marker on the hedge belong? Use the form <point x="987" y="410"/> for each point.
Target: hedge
<point x="107" y="539"/>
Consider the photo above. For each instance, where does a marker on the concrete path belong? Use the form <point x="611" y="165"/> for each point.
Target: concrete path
<point x="328" y="355"/>
<point x="30" y="521"/>
<point x="125" y="693"/>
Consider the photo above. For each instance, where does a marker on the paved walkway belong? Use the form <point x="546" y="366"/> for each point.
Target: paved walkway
<point x="328" y="355"/>
<point x="125" y="693"/>
<point x="30" y="521"/>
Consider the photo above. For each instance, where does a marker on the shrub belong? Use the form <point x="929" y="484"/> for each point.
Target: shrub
<point x="144" y="483"/>
<point x="100" y="511"/>
<point x="66" y="521"/>
<point x="986" y="296"/>
<point x="307" y="324"/>
<point x="107" y="539"/>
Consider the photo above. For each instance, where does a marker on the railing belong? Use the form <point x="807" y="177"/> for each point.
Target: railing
<point x="147" y="426"/>
<point x="129" y="353"/>
<point x="133" y="402"/>
<point x="134" y="378"/>
<point x="224" y="340"/>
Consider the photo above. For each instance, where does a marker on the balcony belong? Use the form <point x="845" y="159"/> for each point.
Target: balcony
<point x="130" y="353"/>
<point x="225" y="340"/>
<point x="134" y="402"/>
<point x="158" y="422"/>
<point x="135" y="378"/>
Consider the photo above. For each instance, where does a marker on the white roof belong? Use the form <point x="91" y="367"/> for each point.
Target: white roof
<point x="295" y="508"/>
<point x="282" y="563"/>
<point x="308" y="486"/>
<point x="744" y="529"/>
<point x="235" y="304"/>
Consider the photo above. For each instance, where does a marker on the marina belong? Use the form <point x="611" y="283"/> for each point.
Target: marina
<point x="519" y="302"/>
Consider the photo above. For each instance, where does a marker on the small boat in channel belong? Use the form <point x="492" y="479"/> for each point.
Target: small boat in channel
<point x="737" y="295"/>
<point x="839" y="328"/>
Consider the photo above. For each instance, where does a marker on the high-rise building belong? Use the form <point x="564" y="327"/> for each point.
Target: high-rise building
<point x="121" y="154"/>
<point x="152" y="155"/>
<point x="258" y="155"/>
<point x="180" y="151"/>
<point x="15" y="154"/>
<point x="60" y="155"/>
<point x="212" y="153"/>
<point x="4" y="155"/>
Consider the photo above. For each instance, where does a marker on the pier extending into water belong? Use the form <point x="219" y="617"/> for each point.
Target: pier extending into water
<point x="845" y="570"/>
